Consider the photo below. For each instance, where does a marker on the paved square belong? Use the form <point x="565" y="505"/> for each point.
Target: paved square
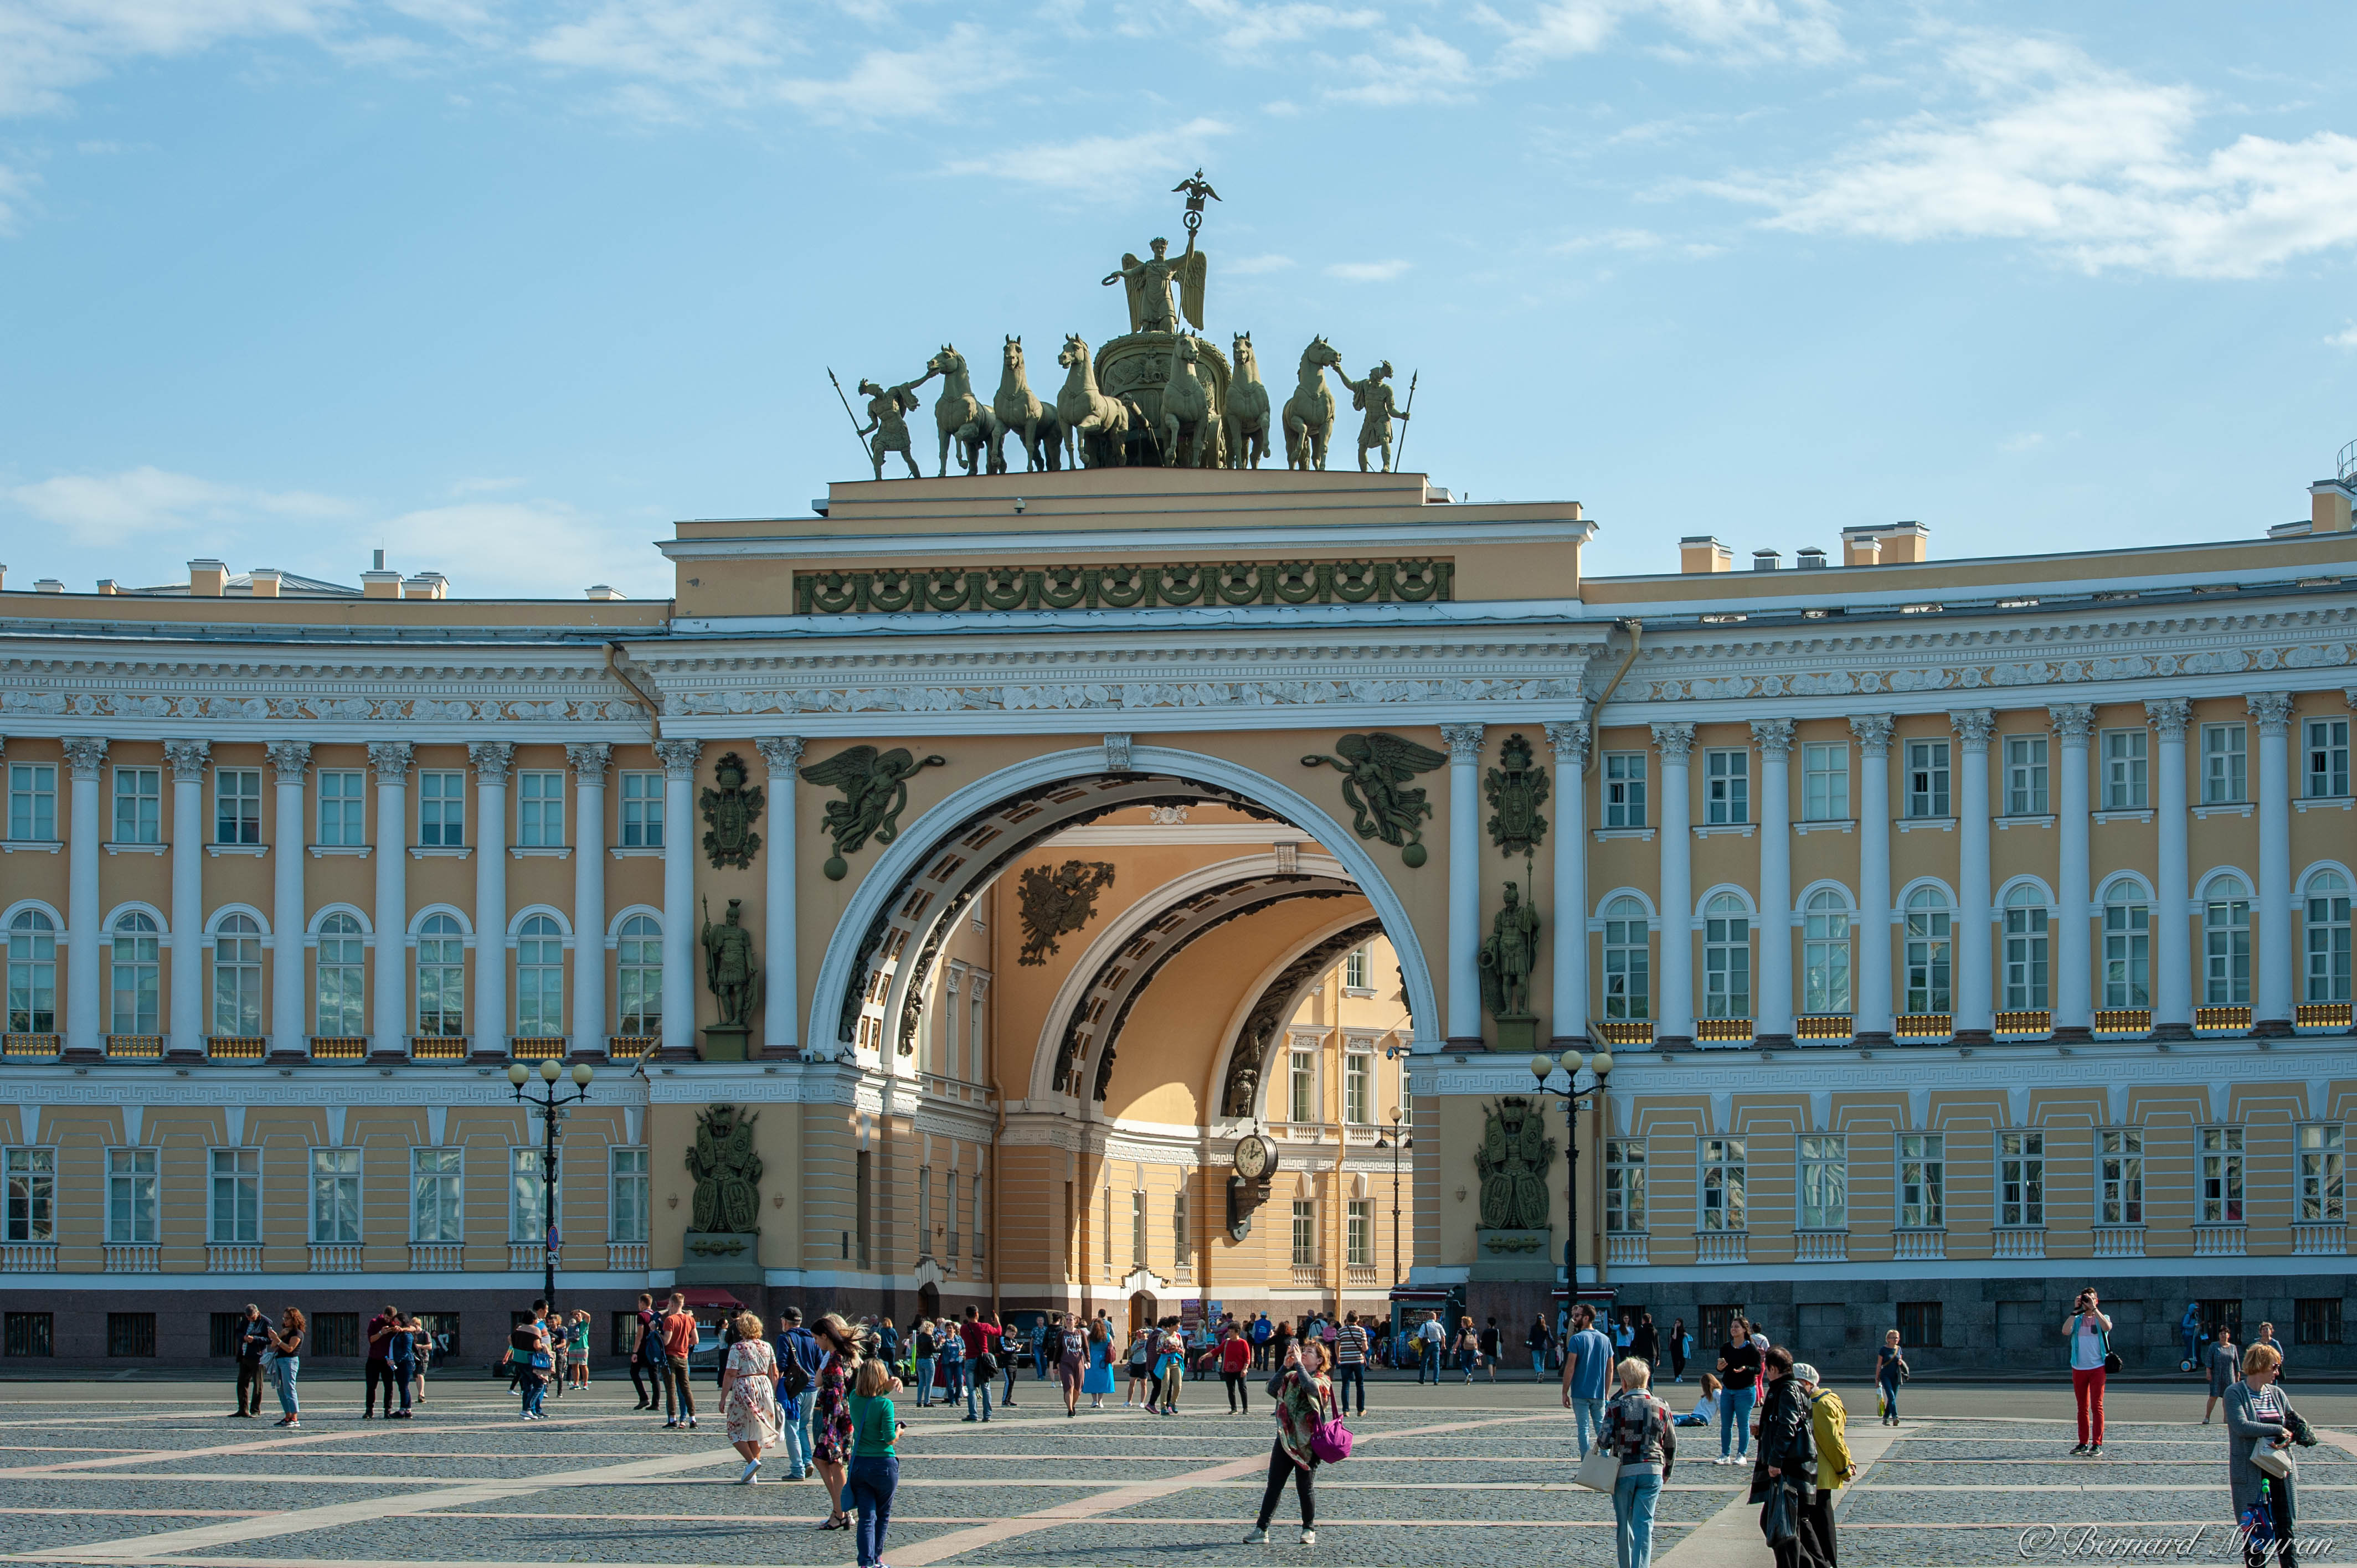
<point x="156" y="1473"/>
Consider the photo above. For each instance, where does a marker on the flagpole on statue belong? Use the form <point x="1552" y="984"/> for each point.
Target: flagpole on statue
<point x="1405" y="409"/>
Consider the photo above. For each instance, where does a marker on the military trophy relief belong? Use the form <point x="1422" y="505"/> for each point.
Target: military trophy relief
<point x="730" y="810"/>
<point x="1514" y="1242"/>
<point x="1161" y="394"/>
<point x="1377" y="771"/>
<point x="1517" y="789"/>
<point x="874" y="788"/>
<point x="723" y="1240"/>
<point x="1057" y="902"/>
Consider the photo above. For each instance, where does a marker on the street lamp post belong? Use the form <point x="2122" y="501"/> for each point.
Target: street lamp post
<point x="551" y="1113"/>
<point x="1542" y="1066"/>
<point x="1397" y="1143"/>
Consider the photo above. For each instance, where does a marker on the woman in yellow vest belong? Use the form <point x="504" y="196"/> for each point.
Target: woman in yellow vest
<point x="1828" y="1422"/>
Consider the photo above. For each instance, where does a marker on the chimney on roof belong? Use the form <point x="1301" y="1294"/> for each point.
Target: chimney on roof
<point x="266" y="582"/>
<point x="380" y="585"/>
<point x="1811" y="559"/>
<point x="106" y="585"/>
<point x="1766" y="560"/>
<point x="49" y="586"/>
<point x="426" y="585"/>
<point x="1701" y="552"/>
<point x="4" y="576"/>
<point x="208" y="579"/>
<point x="1904" y="543"/>
<point x="1860" y="547"/>
<point x="2328" y="502"/>
<point x="602" y="592"/>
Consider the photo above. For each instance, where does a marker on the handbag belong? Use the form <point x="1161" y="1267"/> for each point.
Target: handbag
<point x="1329" y="1441"/>
<point x="1600" y="1471"/>
<point x="542" y="1361"/>
<point x="1776" y="1519"/>
<point x="2272" y="1462"/>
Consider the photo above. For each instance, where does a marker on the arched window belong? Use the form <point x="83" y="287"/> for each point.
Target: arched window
<point x="441" y="977"/>
<point x="1725" y="958"/>
<point x="2226" y="943"/>
<point x="1628" y="961"/>
<point x="32" y="974"/>
<point x="343" y="969"/>
<point x="133" y="955"/>
<point x="540" y="978"/>
<point x="1825" y="953"/>
<point x="638" y="977"/>
<point x="2028" y="950"/>
<point x="237" y="976"/>
<point x="2327" y="937"/>
<point x="1931" y="951"/>
<point x="2127" y="947"/>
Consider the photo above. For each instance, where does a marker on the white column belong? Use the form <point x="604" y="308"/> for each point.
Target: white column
<point x="1872" y="731"/>
<point x="1675" y="1011"/>
<point x="589" y="764"/>
<point x="2173" y="945"/>
<point x="2274" y="950"/>
<point x="290" y="760"/>
<point x="1974" y="972"/>
<point x="1772" y="1021"/>
<point x="86" y="1021"/>
<point x="491" y="759"/>
<point x="781" y="1019"/>
<point x="678" y="758"/>
<point x="187" y="758"/>
<point x="1571" y="1003"/>
<point x="1464" y="743"/>
<point x="389" y="980"/>
<point x="2073" y="965"/>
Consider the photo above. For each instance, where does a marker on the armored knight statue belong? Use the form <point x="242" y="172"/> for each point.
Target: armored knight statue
<point x="1382" y="407"/>
<point x="886" y="427"/>
<point x="728" y="969"/>
<point x="1508" y="956"/>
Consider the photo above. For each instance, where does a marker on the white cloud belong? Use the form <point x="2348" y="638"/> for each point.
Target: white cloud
<point x="1740" y="31"/>
<point x="1251" y="266"/>
<point x="2085" y="161"/>
<point x="2026" y="441"/>
<point x="1249" y="30"/>
<point x="97" y="508"/>
<point x="47" y="46"/>
<point x="922" y="82"/>
<point x="14" y="186"/>
<point x="1106" y="166"/>
<point x="1612" y="239"/>
<point x="1368" y="271"/>
<point x="1414" y="67"/>
<point x="492" y="548"/>
<point x="2344" y="338"/>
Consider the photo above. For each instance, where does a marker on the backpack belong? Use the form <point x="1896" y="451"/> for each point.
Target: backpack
<point x="794" y="1378"/>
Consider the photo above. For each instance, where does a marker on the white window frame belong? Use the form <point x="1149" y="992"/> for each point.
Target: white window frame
<point x="1826" y="959"/>
<point x="2026" y="775"/>
<point x="2226" y="943"/>
<point x="1137" y="1239"/>
<point x="1722" y="1202"/>
<point x="144" y="963"/>
<point x="1824" y="781"/>
<point x="336" y="1193"/>
<point x="950" y="1216"/>
<point x="1358" y="969"/>
<point x="1301" y="1097"/>
<point x="2119" y="1175"/>
<point x="627" y="1189"/>
<point x="1922" y="1191"/>
<point x="1625" y="1186"/>
<point x="2225" y="765"/>
<point x="1625" y="778"/>
<point x="2127" y="770"/>
<point x="440" y="946"/>
<point x="1930" y="782"/>
<point x="33" y="802"/>
<point x="1727" y="957"/>
<point x="437" y="1196"/>
<point x="2324" y="938"/>
<point x="141" y="790"/>
<point x="238" y="1003"/>
<point x="641" y="822"/>
<point x="234" y="1196"/>
<point x="2322" y="1173"/>
<point x="30" y="1216"/>
<point x="539" y="977"/>
<point x="527" y="1199"/>
<point x="2027" y="955"/>
<point x="342" y="808"/>
<point x="1359" y="1234"/>
<point x="2325" y="776"/>
<point x="442" y="808"/>
<point x="340" y="977"/>
<point x="540" y="809"/>
<point x="2221" y="1186"/>
<point x="1305" y="1233"/>
<point x="1359" y="1087"/>
<point x="1929" y="949"/>
<point x="2127" y="948"/>
<point x="1726" y="785"/>
<point x="1823" y="1197"/>
<point x="1627" y="968"/>
<point x="638" y="967"/>
<point x="237" y="805"/>
<point x="32" y="939"/>
<point x="2021" y="1179"/>
<point x="134" y="1188"/>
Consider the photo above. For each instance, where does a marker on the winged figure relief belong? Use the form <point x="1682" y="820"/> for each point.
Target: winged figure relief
<point x="1376" y="769"/>
<point x="875" y="786"/>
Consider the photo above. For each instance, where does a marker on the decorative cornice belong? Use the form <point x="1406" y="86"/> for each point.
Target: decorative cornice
<point x="783" y="754"/>
<point x="290" y="760"/>
<point x="590" y="760"/>
<point x="188" y="760"/>
<point x="985" y="695"/>
<point x="2075" y="722"/>
<point x="85" y="754"/>
<point x="679" y="757"/>
<point x="1677" y="742"/>
<point x="2272" y="709"/>
<point x="1873" y="732"/>
<point x="1464" y="741"/>
<point x="1570" y="741"/>
<point x="2171" y="715"/>
<point x="1975" y="726"/>
<point x="491" y="759"/>
<point x="996" y="589"/>
<point x="1772" y="737"/>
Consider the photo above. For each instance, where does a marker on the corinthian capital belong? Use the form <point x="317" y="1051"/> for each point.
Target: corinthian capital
<point x="188" y="760"/>
<point x="678" y="757"/>
<point x="1772" y="737"/>
<point x="491" y="759"/>
<point x="1974" y="727"/>
<point x="85" y="754"/>
<point x="590" y="760"/>
<point x="2169" y="716"/>
<point x="2272" y="709"/>
<point x="1464" y="741"/>
<point x="2075" y="722"/>
<point x="1873" y="733"/>
<point x="1570" y="741"/>
<point x="290" y="759"/>
<point x="783" y="753"/>
<point x="392" y="760"/>
<point x="1676" y="741"/>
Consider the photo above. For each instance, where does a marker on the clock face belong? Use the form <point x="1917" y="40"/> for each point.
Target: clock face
<point x="1254" y="1157"/>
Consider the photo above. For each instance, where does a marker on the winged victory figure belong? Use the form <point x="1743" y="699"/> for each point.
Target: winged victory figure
<point x="874" y="788"/>
<point x="1375" y="772"/>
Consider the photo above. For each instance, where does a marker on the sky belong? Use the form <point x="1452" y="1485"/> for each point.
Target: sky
<point x="503" y="290"/>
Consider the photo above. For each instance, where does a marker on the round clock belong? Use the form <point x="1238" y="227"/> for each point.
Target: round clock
<point x="1255" y="1157"/>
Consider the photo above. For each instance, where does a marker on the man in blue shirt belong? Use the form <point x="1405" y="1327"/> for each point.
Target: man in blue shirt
<point x="799" y="1347"/>
<point x="1586" y="1373"/>
<point x="1262" y="1331"/>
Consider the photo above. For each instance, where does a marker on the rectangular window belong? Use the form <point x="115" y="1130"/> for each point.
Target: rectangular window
<point x="1357" y="970"/>
<point x="1930" y="957"/>
<point x="1727" y="960"/>
<point x="950" y="1211"/>
<point x="2021" y="1179"/>
<point x="1723" y="1185"/>
<point x="924" y="1211"/>
<point x="1301" y="1082"/>
<point x="863" y="1200"/>
<point x="33" y="1334"/>
<point x="1727" y="787"/>
<point x="2221" y="1176"/>
<point x="1825" y="1182"/>
<point x="237" y="805"/>
<point x="540" y="810"/>
<point x="441" y="810"/>
<point x="1927" y="778"/>
<point x="1359" y="1234"/>
<point x="1358" y="1074"/>
<point x="1624" y="1186"/>
<point x="335" y="1333"/>
<point x="2316" y="1320"/>
<point x="1922" y="1181"/>
<point x="1628" y="961"/>
<point x="1825" y="782"/>
<point x="2321" y="1173"/>
<point x="2225" y="765"/>
<point x="980" y="1206"/>
<point x="1919" y="1324"/>
<point x="1137" y="1228"/>
<point x="1305" y="1233"/>
<point x="527" y="1198"/>
<point x="235" y="1200"/>
<point x="138" y="805"/>
<point x="1624" y="788"/>
<point x="2127" y="955"/>
<point x="32" y="801"/>
<point x="2327" y="929"/>
<point x="130" y="1333"/>
<point x="32" y="1195"/>
<point x="2328" y="758"/>
<point x="342" y="808"/>
<point x="2126" y="770"/>
<point x="1182" y="1238"/>
<point x="130" y="1197"/>
<point x="2226" y="946"/>
<point x="223" y="1334"/>
<point x="626" y="1203"/>
<point x="1824" y="955"/>
<point x="2120" y="1175"/>
<point x="437" y="1211"/>
<point x="642" y="795"/>
<point x="1406" y="1096"/>
<point x="2025" y="776"/>
<point x="335" y="1196"/>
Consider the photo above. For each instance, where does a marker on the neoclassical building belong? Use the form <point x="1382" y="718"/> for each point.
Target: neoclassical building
<point x="1114" y="924"/>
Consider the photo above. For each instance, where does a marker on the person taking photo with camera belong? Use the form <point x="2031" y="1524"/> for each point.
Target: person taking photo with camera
<point x="2088" y="1332"/>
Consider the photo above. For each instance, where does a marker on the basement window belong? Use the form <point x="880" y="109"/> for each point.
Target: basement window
<point x="1723" y="620"/>
<point x="2016" y="604"/>
<point x="1921" y="609"/>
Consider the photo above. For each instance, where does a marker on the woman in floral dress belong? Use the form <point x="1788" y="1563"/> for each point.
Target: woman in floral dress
<point x="748" y="1394"/>
<point x="831" y="1416"/>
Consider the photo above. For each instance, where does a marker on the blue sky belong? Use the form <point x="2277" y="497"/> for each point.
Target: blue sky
<point x="505" y="289"/>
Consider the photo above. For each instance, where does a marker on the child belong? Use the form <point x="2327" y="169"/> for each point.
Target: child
<point x="874" y="1465"/>
<point x="1890" y="1365"/>
<point x="1705" y="1410"/>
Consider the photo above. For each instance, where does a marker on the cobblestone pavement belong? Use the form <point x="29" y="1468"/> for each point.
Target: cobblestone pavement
<point x="156" y="1474"/>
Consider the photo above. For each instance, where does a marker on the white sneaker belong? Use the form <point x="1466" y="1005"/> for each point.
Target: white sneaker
<point x="752" y="1465"/>
<point x="1257" y="1538"/>
<point x="1308" y="1538"/>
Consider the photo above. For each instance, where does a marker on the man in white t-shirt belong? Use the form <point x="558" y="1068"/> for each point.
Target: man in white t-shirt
<point x="2089" y="1332"/>
<point x="1435" y="1340"/>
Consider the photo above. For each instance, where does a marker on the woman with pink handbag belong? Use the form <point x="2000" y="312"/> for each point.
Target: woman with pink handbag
<point x="1309" y="1432"/>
